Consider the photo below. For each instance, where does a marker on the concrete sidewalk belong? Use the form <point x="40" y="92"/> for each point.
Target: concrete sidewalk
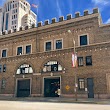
<point x="58" y="100"/>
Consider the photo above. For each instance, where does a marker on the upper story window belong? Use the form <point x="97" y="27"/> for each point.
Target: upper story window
<point x="58" y="44"/>
<point x="13" y="6"/>
<point x="80" y="61"/>
<point x="16" y="5"/>
<point x="52" y="66"/>
<point x="88" y="60"/>
<point x="48" y="46"/>
<point x="4" y="68"/>
<point x="28" y="49"/>
<point x="24" y="68"/>
<point x="81" y="83"/>
<point x="4" y="53"/>
<point x="19" y="51"/>
<point x="83" y="40"/>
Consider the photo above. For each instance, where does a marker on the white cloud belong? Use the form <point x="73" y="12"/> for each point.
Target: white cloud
<point x="58" y="8"/>
<point x="108" y="21"/>
<point x="101" y="2"/>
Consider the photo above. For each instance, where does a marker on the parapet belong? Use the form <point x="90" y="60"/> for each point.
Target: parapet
<point x="53" y="20"/>
<point x="46" y="22"/>
<point x="77" y="14"/>
<point x="69" y="16"/>
<point x="95" y="10"/>
<point x="61" y="18"/>
<point x="86" y="12"/>
<point x="39" y="24"/>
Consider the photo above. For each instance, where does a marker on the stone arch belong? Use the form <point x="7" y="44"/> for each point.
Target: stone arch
<point x="22" y="63"/>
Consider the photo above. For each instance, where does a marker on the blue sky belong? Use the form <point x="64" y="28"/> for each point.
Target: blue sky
<point x="48" y="9"/>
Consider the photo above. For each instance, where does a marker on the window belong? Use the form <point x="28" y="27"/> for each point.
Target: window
<point x="81" y="83"/>
<point x="0" y="68"/>
<point x="80" y="61"/>
<point x="12" y="22"/>
<point x="52" y="66"/>
<point x="48" y="46"/>
<point x="3" y="83"/>
<point x="83" y="40"/>
<point x="14" y="16"/>
<point x="4" y="53"/>
<point x="16" y="5"/>
<point x="58" y="44"/>
<point x="19" y="50"/>
<point x="4" y="68"/>
<point x="24" y="68"/>
<point x="16" y="10"/>
<point x="6" y="23"/>
<point x="28" y="49"/>
<point x="88" y="60"/>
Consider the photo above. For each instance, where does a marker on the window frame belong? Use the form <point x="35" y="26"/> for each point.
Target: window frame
<point x="1" y="68"/>
<point x="83" y="35"/>
<point x="17" y="50"/>
<point x="4" y="68"/>
<point x="6" y="52"/>
<point x="45" y="45"/>
<point x="82" y="61"/>
<point x="51" y="65"/>
<point x="81" y="82"/>
<point x="55" y="43"/>
<point x="87" y="64"/>
<point x="22" y="69"/>
<point x="30" y="48"/>
<point x="3" y="83"/>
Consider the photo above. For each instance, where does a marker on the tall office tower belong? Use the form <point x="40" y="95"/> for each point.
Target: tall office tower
<point x="16" y="13"/>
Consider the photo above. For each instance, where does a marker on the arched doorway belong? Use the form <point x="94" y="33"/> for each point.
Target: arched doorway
<point x="52" y="85"/>
<point x="24" y="84"/>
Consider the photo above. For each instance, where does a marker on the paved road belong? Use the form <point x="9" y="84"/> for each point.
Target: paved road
<point x="23" y="105"/>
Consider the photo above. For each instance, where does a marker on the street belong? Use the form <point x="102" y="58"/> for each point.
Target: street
<point x="26" y="105"/>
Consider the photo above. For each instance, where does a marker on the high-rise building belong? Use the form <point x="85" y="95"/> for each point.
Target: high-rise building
<point x="16" y="13"/>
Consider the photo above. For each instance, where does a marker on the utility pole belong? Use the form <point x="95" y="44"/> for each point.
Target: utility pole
<point x="76" y="85"/>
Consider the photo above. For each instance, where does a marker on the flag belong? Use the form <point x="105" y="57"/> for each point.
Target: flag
<point x="35" y="6"/>
<point x="74" y="60"/>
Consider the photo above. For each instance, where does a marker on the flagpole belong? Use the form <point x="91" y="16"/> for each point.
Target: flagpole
<point x="75" y="86"/>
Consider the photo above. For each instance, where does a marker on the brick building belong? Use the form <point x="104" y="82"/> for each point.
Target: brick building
<point x="37" y="61"/>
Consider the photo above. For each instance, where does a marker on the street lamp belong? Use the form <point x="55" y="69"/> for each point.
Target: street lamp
<point x="75" y="89"/>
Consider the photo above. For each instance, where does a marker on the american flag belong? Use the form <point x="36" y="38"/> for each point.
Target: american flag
<point x="35" y="6"/>
<point x="74" y="60"/>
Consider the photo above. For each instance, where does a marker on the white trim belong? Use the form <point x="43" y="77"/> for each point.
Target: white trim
<point x="25" y="49"/>
<point x="50" y="77"/>
<point x="6" y="52"/>
<point x="55" y="43"/>
<point x="16" y="81"/>
<point x="17" y="49"/>
<point x="45" y="45"/>
<point x="83" y="35"/>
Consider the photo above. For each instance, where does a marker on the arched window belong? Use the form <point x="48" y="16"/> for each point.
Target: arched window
<point x="24" y="68"/>
<point x="52" y="66"/>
